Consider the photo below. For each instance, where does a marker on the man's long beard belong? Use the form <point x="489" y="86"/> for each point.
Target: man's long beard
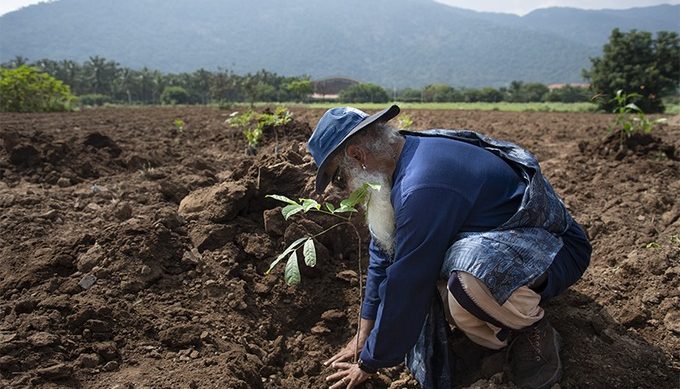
<point x="379" y="210"/>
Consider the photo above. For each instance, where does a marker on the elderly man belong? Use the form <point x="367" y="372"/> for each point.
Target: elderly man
<point x="459" y="209"/>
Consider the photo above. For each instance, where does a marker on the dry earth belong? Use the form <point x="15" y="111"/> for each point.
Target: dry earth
<point x="133" y="255"/>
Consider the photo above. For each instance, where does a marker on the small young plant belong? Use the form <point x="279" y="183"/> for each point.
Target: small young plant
<point x="675" y="241"/>
<point x="253" y="124"/>
<point x="179" y="125"/>
<point x="147" y="170"/>
<point x="344" y="214"/>
<point x="653" y="245"/>
<point x="629" y="117"/>
<point x="405" y="122"/>
<point x="279" y="118"/>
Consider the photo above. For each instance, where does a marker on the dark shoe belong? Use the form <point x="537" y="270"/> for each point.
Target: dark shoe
<point x="534" y="357"/>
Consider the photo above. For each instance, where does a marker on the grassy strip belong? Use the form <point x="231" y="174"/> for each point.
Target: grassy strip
<point x="672" y="109"/>
<point x="502" y="106"/>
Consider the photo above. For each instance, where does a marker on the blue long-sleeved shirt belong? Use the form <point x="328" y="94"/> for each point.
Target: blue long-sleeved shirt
<point x="440" y="187"/>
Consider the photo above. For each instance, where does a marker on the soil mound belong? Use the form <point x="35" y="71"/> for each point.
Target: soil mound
<point x="618" y="146"/>
<point x="40" y="157"/>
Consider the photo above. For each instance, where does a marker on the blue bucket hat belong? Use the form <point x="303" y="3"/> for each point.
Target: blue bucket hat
<point x="334" y="128"/>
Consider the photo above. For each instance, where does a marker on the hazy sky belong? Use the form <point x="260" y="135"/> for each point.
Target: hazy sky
<point x="519" y="7"/>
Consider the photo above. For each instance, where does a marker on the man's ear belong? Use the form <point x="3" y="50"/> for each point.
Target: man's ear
<point x="358" y="153"/>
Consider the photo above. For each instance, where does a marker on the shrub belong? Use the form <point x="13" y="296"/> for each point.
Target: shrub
<point x="253" y="124"/>
<point x="25" y="89"/>
<point x="405" y="122"/>
<point x="364" y="93"/>
<point x="410" y="95"/>
<point x="299" y="89"/>
<point x="175" y="95"/>
<point x="94" y="100"/>
<point x="569" y="94"/>
<point x="630" y="119"/>
<point x="636" y="62"/>
<point x="439" y="93"/>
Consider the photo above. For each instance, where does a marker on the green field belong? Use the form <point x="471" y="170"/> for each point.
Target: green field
<point x="502" y="106"/>
<point x="671" y="108"/>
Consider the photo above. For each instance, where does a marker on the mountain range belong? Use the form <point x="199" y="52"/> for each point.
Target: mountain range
<point x="394" y="43"/>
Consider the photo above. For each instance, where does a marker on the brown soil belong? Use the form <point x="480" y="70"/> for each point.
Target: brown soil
<point x="134" y="256"/>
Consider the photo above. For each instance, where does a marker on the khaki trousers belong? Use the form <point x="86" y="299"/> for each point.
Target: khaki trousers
<point x="519" y="311"/>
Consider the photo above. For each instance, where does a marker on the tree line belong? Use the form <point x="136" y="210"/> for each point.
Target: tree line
<point x="98" y="81"/>
<point x="634" y="62"/>
<point x="517" y="91"/>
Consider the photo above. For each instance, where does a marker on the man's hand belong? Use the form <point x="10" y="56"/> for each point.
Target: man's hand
<point x="348" y="352"/>
<point x="348" y="376"/>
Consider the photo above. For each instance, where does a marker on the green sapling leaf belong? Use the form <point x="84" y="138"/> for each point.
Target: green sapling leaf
<point x="345" y="208"/>
<point x="330" y="207"/>
<point x="290" y="210"/>
<point x="633" y="107"/>
<point x="346" y="203"/>
<point x="271" y="265"/>
<point x="292" y="272"/>
<point x="309" y="252"/>
<point x="308" y="204"/>
<point x="292" y="247"/>
<point x="355" y="197"/>
<point x="282" y="199"/>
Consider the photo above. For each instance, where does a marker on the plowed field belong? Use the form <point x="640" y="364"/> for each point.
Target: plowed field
<point x="106" y="281"/>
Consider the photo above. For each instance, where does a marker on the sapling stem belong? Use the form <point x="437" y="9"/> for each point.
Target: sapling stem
<point x="361" y="291"/>
<point x="361" y="195"/>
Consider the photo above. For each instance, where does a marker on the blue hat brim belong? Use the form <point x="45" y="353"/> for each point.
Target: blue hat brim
<point x="323" y="179"/>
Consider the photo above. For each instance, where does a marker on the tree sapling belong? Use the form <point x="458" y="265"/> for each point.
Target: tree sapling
<point x="343" y="213"/>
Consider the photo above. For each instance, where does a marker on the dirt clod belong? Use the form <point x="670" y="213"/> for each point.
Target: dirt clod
<point x="180" y="336"/>
<point x="89" y="361"/>
<point x="55" y="372"/>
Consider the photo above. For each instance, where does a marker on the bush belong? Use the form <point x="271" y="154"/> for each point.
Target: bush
<point x="364" y="93"/>
<point x="521" y="92"/>
<point x="253" y="124"/>
<point x="569" y="94"/>
<point x="439" y="93"/>
<point x="175" y="95"/>
<point x="630" y="119"/>
<point x="299" y="89"/>
<point x="94" y="100"/>
<point x="639" y="64"/>
<point x="490" y="95"/>
<point x="25" y="89"/>
<point x="410" y="95"/>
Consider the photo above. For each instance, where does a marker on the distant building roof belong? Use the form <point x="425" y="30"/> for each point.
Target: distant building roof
<point x="575" y="85"/>
<point x="319" y="96"/>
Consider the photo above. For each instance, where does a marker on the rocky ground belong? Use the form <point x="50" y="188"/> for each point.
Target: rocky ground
<point x="133" y="254"/>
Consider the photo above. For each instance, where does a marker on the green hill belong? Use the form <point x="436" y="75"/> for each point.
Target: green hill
<point x="394" y="43"/>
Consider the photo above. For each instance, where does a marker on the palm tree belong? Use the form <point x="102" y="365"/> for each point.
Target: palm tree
<point x="101" y="74"/>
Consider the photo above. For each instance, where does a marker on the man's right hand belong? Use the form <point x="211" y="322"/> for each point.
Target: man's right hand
<point x="348" y="352"/>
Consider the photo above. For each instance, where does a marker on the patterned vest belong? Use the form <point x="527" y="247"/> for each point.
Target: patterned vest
<point x="523" y="247"/>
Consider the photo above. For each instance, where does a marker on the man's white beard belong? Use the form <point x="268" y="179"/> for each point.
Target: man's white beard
<point x="379" y="210"/>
